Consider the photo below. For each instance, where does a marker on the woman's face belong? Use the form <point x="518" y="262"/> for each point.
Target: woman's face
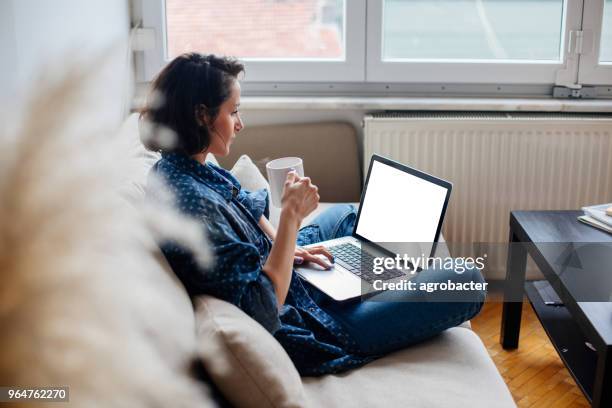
<point x="227" y="123"/>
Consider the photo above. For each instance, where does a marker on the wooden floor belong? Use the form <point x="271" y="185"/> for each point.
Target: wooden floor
<point x="534" y="373"/>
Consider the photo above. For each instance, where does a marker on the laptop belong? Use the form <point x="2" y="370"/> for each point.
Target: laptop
<point x="400" y="214"/>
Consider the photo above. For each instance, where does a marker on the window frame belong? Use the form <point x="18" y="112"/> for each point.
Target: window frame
<point x="471" y="71"/>
<point x="363" y="72"/>
<point x="591" y="71"/>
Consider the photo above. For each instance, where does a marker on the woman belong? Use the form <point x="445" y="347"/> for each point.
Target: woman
<point x="253" y="260"/>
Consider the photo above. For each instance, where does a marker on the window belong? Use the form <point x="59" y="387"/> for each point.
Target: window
<point x="471" y="30"/>
<point x="374" y="45"/>
<point x="276" y="30"/>
<point x="471" y="41"/>
<point x="279" y="40"/>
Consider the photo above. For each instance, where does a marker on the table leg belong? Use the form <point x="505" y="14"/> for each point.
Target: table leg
<point x="602" y="391"/>
<point x="514" y="288"/>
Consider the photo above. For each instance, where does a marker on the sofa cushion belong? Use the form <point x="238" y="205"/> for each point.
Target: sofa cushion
<point x="248" y="174"/>
<point x="450" y="370"/>
<point x="247" y="363"/>
<point x="252" y="369"/>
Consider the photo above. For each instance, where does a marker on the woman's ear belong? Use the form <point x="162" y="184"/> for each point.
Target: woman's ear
<point x="201" y="115"/>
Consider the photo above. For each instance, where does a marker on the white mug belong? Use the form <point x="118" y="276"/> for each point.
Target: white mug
<point x="277" y="174"/>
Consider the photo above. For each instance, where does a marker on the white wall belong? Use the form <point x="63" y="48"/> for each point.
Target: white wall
<point x="46" y="38"/>
<point x="7" y="46"/>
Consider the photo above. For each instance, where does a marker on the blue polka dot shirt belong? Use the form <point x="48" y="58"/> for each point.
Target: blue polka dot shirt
<point x="315" y="342"/>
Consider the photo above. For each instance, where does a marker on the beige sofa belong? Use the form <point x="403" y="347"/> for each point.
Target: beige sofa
<point x="250" y="368"/>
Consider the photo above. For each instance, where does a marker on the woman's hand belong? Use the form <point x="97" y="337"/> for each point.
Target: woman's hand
<point x="300" y="197"/>
<point x="310" y="255"/>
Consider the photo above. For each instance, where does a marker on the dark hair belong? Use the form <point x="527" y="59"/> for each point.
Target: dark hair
<point x="177" y="95"/>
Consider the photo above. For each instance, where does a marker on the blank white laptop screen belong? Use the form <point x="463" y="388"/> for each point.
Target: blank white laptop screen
<point x="400" y="207"/>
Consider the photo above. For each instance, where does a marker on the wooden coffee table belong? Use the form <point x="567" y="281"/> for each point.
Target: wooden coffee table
<point x="576" y="261"/>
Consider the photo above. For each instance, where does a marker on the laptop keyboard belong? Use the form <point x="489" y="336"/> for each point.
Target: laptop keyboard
<point x="351" y="258"/>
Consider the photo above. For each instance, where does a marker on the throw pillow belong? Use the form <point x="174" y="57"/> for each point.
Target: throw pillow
<point x="251" y="179"/>
<point x="210" y="158"/>
<point x="247" y="363"/>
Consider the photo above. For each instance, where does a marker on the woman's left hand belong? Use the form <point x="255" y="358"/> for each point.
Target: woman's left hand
<point x="310" y="255"/>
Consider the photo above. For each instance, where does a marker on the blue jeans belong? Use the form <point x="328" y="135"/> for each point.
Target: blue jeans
<point x="398" y="318"/>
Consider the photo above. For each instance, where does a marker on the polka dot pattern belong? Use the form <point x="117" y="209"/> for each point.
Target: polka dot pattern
<point x="316" y="343"/>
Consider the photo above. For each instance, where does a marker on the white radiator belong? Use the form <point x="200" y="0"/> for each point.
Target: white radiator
<point x="500" y="162"/>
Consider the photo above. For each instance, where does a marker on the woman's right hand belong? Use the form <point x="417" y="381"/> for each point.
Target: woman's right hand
<point x="300" y="197"/>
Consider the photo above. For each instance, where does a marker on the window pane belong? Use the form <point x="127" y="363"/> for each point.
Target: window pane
<point x="605" y="55"/>
<point x="278" y="29"/>
<point x="472" y="29"/>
